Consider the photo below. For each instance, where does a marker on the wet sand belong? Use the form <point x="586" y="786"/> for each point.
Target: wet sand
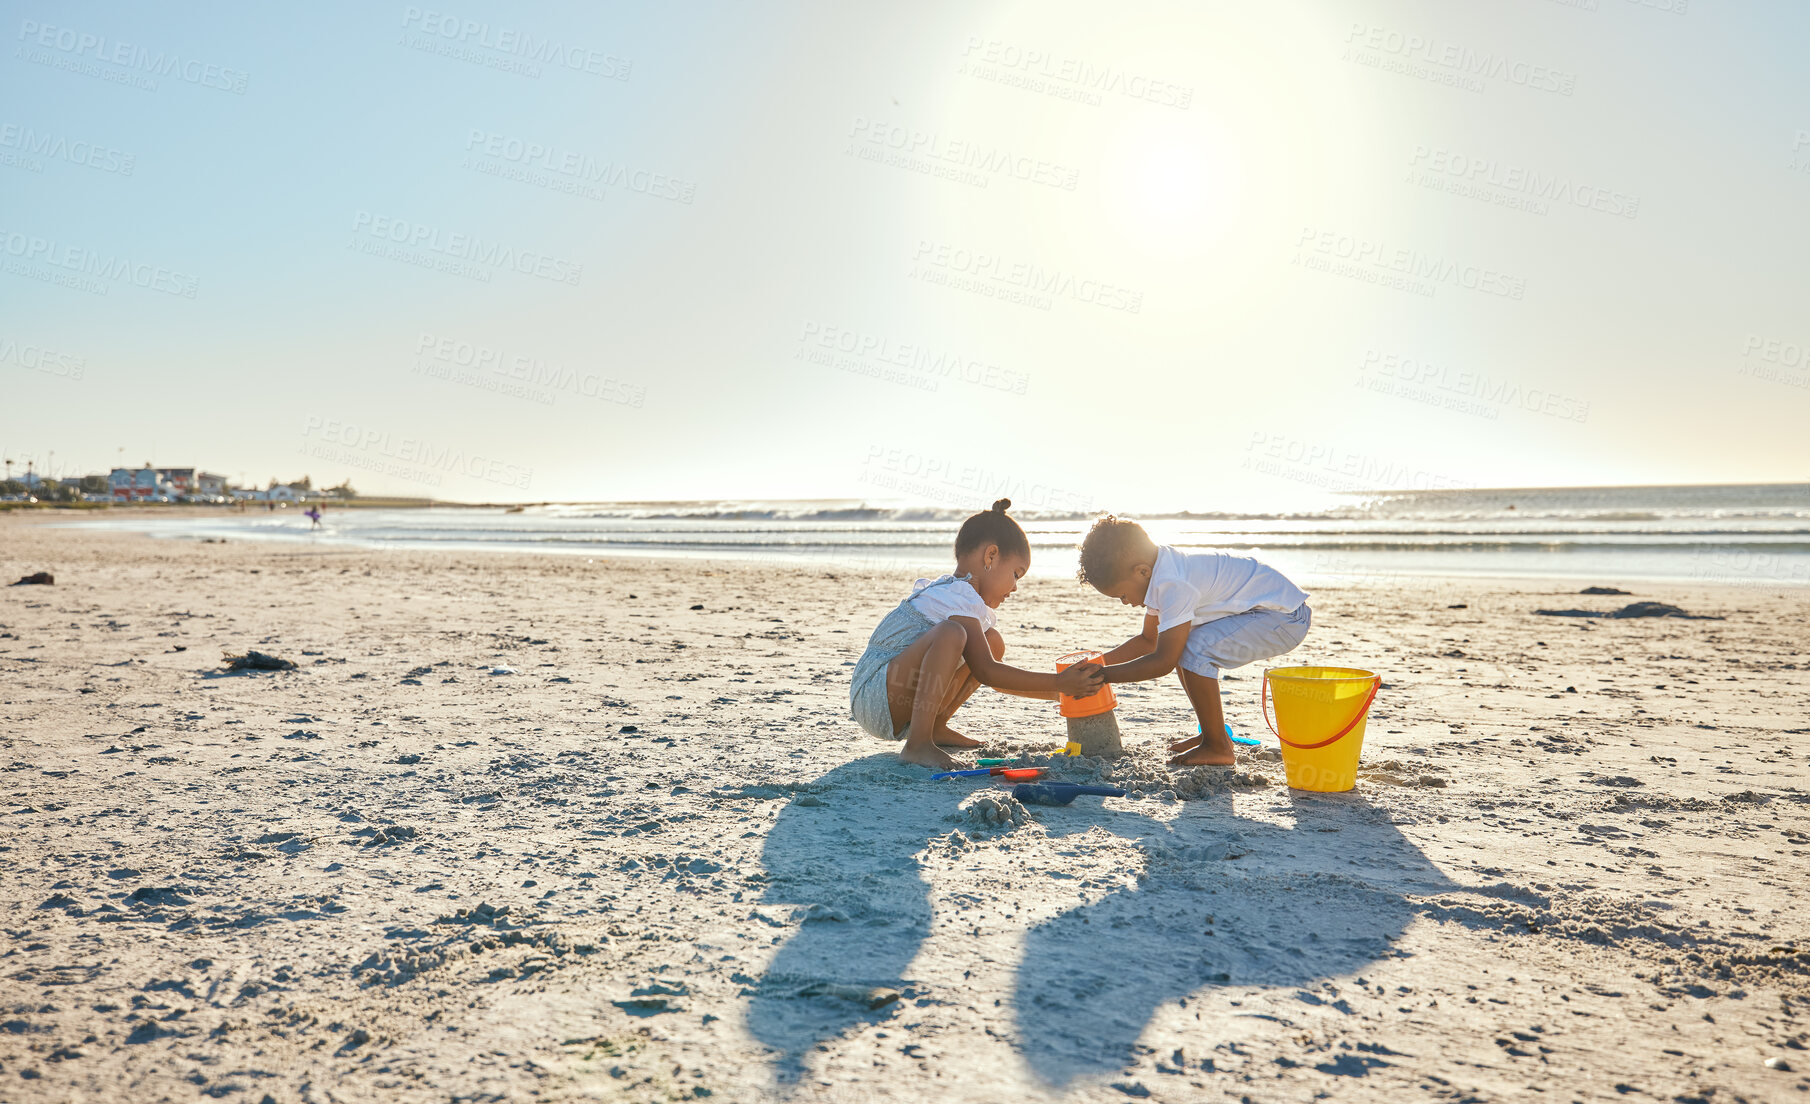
<point x="546" y="828"/>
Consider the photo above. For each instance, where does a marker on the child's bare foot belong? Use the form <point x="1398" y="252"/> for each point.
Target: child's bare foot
<point x="1200" y="757"/>
<point x="948" y="737"/>
<point x="928" y="755"/>
<point x="1200" y="750"/>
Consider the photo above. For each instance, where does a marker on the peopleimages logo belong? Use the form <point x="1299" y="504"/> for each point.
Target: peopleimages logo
<point x="466" y="249"/>
<point x="910" y="363"/>
<point x="1365" y="258"/>
<point x="1462" y="390"/>
<point x="37" y="358"/>
<point x="1000" y="278"/>
<point x="56" y="147"/>
<point x="996" y="60"/>
<point x="80" y="50"/>
<point x="1532" y="184"/>
<point x="1774" y="351"/>
<point x="84" y="267"/>
<point x="927" y="151"/>
<point x="568" y="170"/>
<point x="408" y="452"/>
<point x="1775" y="360"/>
<point x="1319" y="464"/>
<point x="529" y="377"/>
<point x="523" y="46"/>
<point x="946" y="480"/>
<point x="1461" y="62"/>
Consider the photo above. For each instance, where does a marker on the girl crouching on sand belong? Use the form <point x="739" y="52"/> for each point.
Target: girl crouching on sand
<point x="940" y="644"/>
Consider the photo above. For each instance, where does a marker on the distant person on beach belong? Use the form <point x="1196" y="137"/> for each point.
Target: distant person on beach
<point x="314" y="516"/>
<point x="942" y="643"/>
<point x="1204" y="612"/>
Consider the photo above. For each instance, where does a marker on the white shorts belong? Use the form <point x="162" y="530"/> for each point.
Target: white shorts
<point x="1244" y="638"/>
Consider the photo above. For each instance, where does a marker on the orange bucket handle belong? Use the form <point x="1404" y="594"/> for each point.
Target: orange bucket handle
<point x="1376" y="684"/>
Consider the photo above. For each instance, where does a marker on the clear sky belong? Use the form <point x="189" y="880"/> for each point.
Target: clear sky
<point x="1190" y="255"/>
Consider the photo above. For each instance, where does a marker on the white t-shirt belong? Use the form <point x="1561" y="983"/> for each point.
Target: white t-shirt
<point x="1205" y="586"/>
<point x="941" y="599"/>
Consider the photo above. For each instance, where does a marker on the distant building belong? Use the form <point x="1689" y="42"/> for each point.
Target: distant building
<point x="178" y="482"/>
<point x="278" y="493"/>
<point x="138" y="484"/>
<point x="181" y="480"/>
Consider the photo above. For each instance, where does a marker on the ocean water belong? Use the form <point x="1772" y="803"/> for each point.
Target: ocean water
<point x="1748" y="535"/>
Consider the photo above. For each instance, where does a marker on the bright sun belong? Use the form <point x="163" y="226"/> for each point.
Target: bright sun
<point x="1169" y="192"/>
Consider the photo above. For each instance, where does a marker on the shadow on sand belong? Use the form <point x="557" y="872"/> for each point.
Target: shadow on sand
<point x="1222" y="900"/>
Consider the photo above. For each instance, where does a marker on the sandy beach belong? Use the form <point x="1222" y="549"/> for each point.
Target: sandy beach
<point x="549" y="828"/>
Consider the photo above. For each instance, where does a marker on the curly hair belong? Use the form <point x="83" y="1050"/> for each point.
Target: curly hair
<point x="993" y="527"/>
<point x="1110" y="548"/>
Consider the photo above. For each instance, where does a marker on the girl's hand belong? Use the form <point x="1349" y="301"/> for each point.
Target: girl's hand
<point x="1081" y="681"/>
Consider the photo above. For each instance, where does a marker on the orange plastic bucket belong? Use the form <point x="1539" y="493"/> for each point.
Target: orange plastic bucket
<point x="1101" y="701"/>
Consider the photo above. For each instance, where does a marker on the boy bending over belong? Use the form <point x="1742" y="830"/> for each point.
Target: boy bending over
<point x="1205" y="611"/>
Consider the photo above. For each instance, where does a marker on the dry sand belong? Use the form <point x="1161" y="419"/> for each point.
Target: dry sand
<point x="658" y="862"/>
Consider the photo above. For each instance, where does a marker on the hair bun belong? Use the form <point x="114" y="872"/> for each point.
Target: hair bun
<point x="1002" y="505"/>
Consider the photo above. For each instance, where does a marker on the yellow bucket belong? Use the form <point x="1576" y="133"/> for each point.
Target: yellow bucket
<point x="1320" y="714"/>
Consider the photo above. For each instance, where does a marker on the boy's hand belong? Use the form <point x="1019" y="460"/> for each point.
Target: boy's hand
<point x="1081" y="681"/>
